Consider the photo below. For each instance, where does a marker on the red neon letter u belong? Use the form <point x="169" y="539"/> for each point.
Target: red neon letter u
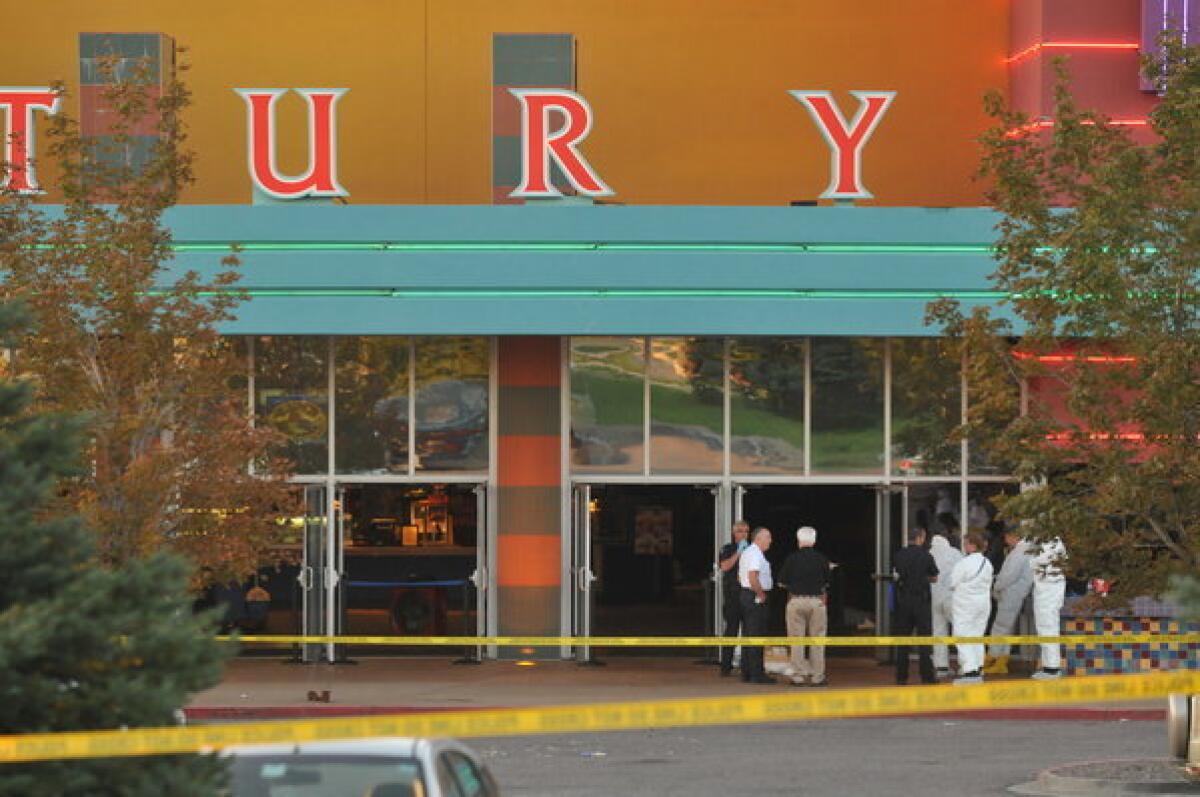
<point x="321" y="177"/>
<point x="539" y="145"/>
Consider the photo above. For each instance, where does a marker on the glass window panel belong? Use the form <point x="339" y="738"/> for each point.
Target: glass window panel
<point x="371" y="415"/>
<point x="766" y="382"/>
<point x="983" y="503"/>
<point x="291" y="396"/>
<point x="687" y="405"/>
<point x="607" y="401"/>
<point x="926" y="408"/>
<point x="452" y="403"/>
<point x="1002" y="407"/>
<point x="847" y="405"/>
<point x="936" y="507"/>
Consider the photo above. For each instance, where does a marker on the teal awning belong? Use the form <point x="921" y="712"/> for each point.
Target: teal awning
<point x="562" y="270"/>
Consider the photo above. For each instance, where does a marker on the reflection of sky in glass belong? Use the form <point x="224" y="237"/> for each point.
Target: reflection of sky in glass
<point x="606" y="404"/>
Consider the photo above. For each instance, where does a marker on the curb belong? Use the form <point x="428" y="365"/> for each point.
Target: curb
<point x="213" y="713"/>
<point x="1038" y="714"/>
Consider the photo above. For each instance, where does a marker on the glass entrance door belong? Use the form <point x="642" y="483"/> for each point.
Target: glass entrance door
<point x="412" y="562"/>
<point x="643" y="558"/>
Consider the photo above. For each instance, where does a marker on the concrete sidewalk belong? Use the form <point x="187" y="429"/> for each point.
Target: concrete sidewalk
<point x="269" y="688"/>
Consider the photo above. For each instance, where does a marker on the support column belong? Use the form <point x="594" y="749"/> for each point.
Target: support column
<point x="528" y="491"/>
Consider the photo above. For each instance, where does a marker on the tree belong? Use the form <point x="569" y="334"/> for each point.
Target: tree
<point x="84" y="646"/>
<point x="124" y="339"/>
<point x="1098" y="253"/>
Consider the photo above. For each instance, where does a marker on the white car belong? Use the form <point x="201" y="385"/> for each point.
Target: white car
<point x="387" y="767"/>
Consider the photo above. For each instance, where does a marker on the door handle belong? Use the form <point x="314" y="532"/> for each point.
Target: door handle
<point x="332" y="577"/>
<point x="479" y="578"/>
<point x="305" y="577"/>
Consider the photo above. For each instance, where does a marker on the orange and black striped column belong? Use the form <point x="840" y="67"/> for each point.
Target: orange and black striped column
<point x="529" y="485"/>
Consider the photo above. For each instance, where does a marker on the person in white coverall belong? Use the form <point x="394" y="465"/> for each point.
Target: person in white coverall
<point x="945" y="556"/>
<point x="1049" y="590"/>
<point x="1011" y="588"/>
<point x="971" y="583"/>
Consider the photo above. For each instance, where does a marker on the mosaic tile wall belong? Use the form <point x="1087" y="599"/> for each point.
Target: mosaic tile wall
<point x="1116" y="658"/>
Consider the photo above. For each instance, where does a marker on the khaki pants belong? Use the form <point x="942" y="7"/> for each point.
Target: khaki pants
<point x="806" y="617"/>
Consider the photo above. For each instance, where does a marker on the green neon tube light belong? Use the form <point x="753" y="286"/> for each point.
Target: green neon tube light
<point x="579" y="246"/>
<point x="610" y="293"/>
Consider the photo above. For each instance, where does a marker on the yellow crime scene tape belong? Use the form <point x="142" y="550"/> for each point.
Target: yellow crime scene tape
<point x="727" y="710"/>
<point x="1089" y="640"/>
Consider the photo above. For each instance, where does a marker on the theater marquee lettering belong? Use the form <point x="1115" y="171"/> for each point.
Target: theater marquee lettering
<point x="554" y="123"/>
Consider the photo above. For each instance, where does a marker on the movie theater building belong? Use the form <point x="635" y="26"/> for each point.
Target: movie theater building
<point x="545" y="295"/>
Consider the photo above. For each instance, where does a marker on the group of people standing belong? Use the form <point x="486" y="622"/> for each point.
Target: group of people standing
<point x="748" y="583"/>
<point x="939" y="590"/>
<point x="942" y="591"/>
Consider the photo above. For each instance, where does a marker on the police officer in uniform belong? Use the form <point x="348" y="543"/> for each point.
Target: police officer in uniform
<point x="914" y="571"/>
<point x="731" y="603"/>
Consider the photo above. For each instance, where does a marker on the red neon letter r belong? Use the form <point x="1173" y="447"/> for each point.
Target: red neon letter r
<point x="539" y="145"/>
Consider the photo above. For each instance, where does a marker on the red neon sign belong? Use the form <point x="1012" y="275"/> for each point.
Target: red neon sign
<point x="1039" y="46"/>
<point x="20" y="103"/>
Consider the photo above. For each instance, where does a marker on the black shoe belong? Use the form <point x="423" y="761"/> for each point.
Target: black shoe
<point x="822" y="682"/>
<point x="763" y="679"/>
<point x="726" y="672"/>
<point x="901" y="683"/>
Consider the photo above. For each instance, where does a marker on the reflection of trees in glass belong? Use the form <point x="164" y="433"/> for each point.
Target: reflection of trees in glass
<point x="847" y="405"/>
<point x="686" y="404"/>
<point x="770" y="373"/>
<point x="766" y="379"/>
<point x="701" y="361"/>
<point x="607" y="383"/>
<point x="372" y="404"/>
<point x="926" y="406"/>
<point x="291" y="396"/>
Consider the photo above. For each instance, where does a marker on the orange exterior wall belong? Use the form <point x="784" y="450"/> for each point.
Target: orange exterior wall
<point x="690" y="95"/>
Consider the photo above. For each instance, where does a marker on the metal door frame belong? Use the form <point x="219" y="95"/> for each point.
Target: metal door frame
<point x="314" y="548"/>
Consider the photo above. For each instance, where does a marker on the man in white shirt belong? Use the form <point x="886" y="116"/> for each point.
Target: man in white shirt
<point x="754" y="578"/>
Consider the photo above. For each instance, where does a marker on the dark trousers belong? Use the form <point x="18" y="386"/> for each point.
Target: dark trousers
<point x="754" y="623"/>
<point x="731" y="610"/>
<point x="914" y="617"/>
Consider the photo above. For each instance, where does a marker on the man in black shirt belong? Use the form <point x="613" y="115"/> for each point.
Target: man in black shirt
<point x="914" y="571"/>
<point x="731" y="608"/>
<point x="805" y="576"/>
